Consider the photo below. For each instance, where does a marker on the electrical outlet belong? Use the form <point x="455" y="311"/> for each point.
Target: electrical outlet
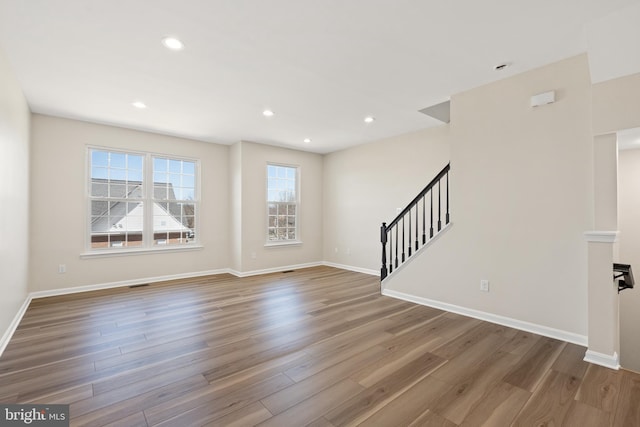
<point x="348" y="251"/>
<point x="62" y="268"/>
<point x="254" y="255"/>
<point x="484" y="285"/>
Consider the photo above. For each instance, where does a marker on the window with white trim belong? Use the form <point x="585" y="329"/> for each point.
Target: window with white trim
<point x="282" y="203"/>
<point x="141" y="200"/>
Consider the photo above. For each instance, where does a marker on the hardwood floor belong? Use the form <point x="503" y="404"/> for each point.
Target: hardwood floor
<point x="317" y="346"/>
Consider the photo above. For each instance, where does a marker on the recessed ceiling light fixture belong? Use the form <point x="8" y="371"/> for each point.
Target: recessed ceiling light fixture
<point x="369" y="119"/>
<point x="501" y="67"/>
<point x="172" y="43"/>
<point x="139" y="104"/>
<point x="268" y="113"/>
<point x="307" y="140"/>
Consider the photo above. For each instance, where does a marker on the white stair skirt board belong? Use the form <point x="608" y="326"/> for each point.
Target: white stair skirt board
<point x="606" y="360"/>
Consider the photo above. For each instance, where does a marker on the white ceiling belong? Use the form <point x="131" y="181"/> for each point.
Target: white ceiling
<point x="320" y="65"/>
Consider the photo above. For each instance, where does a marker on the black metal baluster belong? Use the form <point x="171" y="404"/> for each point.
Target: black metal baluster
<point x="403" y="244"/>
<point x="409" y="231"/>
<point x="447" y="217"/>
<point x="439" y="208"/>
<point x="424" y="222"/>
<point x="431" y="227"/>
<point x="383" y="240"/>
<point x="390" y="250"/>
<point x="417" y="212"/>
<point x="396" y="245"/>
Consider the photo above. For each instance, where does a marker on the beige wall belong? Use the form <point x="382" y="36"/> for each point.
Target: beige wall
<point x="616" y="104"/>
<point x="14" y="195"/>
<point x="521" y="198"/>
<point x="235" y="207"/>
<point x="58" y="203"/>
<point x="254" y="255"/>
<point x="364" y="185"/>
<point x="629" y="225"/>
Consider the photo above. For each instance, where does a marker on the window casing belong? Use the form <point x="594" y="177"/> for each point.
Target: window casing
<point x="282" y="204"/>
<point x="141" y="200"/>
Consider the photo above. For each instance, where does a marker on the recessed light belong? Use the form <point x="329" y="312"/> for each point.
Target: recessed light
<point x="268" y="113"/>
<point x="172" y="43"/>
<point x="501" y="67"/>
<point x="369" y="119"/>
<point x="307" y="140"/>
<point x="139" y="104"/>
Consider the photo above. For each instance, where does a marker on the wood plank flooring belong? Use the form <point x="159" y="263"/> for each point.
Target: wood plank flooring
<point x="317" y="346"/>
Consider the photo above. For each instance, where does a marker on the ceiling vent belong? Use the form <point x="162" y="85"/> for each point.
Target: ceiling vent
<point x="440" y="111"/>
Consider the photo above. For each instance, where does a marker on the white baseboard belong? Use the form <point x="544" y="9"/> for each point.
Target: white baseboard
<point x="606" y="360"/>
<point x="14" y="324"/>
<point x="273" y="269"/>
<point x="109" y="285"/>
<point x="352" y="268"/>
<point x="493" y="318"/>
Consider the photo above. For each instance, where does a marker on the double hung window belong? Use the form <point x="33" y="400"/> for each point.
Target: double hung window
<point x="141" y="200"/>
<point x="282" y="203"/>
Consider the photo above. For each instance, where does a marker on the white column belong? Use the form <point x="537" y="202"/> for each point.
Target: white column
<point x="603" y="312"/>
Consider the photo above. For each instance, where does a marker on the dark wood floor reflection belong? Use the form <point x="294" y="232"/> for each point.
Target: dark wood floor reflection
<point x="318" y="346"/>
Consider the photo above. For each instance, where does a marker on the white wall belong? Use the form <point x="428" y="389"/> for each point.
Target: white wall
<point x="629" y="247"/>
<point x="59" y="205"/>
<point x="364" y="185"/>
<point x="14" y="195"/>
<point x="521" y="198"/>
<point x="253" y="212"/>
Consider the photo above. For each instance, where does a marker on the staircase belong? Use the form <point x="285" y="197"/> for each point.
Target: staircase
<point x="408" y="231"/>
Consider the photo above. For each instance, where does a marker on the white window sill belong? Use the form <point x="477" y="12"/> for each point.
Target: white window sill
<point x="144" y="251"/>
<point x="281" y="243"/>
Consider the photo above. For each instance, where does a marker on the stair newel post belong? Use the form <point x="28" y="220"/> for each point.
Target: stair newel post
<point x="383" y="240"/>
<point x="447" y="217"/>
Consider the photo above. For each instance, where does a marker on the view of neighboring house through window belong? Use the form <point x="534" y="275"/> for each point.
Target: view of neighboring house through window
<point x="282" y="203"/>
<point x="139" y="200"/>
<point x="174" y="208"/>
